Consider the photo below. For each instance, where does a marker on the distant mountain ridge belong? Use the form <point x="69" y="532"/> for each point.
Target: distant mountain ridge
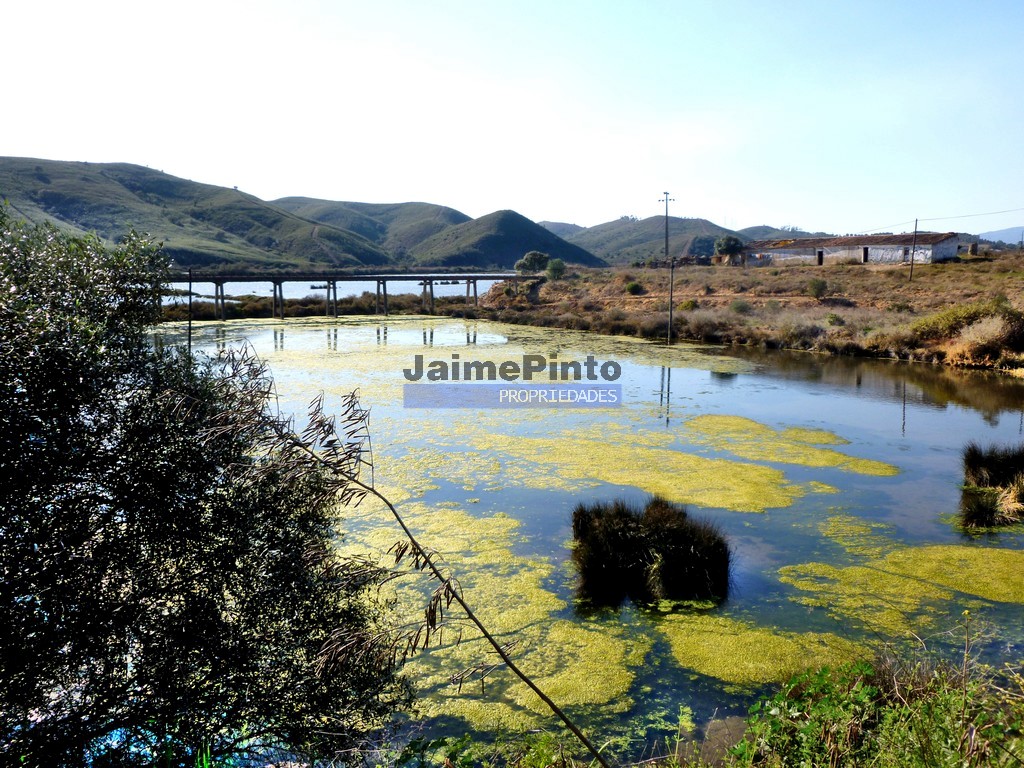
<point x="213" y="227"/>
<point x="202" y="225"/>
<point x="630" y="240"/>
<point x="1009" y="235"/>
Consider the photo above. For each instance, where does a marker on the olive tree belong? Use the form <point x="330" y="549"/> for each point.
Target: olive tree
<point x="729" y="246"/>
<point x="170" y="591"/>
<point x="534" y="261"/>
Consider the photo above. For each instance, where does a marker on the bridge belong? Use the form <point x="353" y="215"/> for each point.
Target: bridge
<point x="330" y="279"/>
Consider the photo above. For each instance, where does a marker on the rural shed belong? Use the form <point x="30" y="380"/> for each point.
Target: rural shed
<point x="928" y="247"/>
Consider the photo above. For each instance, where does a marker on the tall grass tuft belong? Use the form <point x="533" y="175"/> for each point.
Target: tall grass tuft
<point x="993" y="492"/>
<point x="658" y="552"/>
<point x="993" y="466"/>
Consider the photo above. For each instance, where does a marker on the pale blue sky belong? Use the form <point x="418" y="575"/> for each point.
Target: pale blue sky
<point x="843" y="117"/>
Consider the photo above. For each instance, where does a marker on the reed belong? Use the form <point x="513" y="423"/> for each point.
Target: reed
<point x="993" y="493"/>
<point x="657" y="552"/>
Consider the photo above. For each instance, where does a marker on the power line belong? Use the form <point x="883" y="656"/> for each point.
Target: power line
<point x="975" y="215"/>
<point x="940" y="218"/>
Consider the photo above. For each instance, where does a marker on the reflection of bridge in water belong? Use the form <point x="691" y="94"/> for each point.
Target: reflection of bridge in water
<point x="330" y="281"/>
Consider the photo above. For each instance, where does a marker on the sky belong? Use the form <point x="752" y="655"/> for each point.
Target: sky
<point x="844" y="117"/>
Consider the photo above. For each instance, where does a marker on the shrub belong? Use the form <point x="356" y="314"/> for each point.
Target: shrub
<point x="689" y="305"/>
<point x="654" y="553"/>
<point x="556" y="269"/>
<point x="952" y="320"/>
<point x="834" y="319"/>
<point x="634" y="288"/>
<point x="741" y="307"/>
<point x="817" y="288"/>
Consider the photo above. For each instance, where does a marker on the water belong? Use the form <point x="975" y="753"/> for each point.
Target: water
<point x="836" y="481"/>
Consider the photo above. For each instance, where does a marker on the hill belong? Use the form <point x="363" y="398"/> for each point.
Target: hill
<point x="1010" y="235"/>
<point x="629" y="240"/>
<point x="497" y="240"/>
<point x="200" y="224"/>
<point x="560" y="228"/>
<point x="766" y="232"/>
<point x="397" y="228"/>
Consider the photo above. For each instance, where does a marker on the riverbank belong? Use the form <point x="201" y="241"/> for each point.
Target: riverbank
<point x="968" y="313"/>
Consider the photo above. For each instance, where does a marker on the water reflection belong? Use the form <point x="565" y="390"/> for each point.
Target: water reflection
<point x="990" y="394"/>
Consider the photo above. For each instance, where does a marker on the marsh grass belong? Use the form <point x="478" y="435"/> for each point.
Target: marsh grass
<point x="658" y="552"/>
<point x="993" y="492"/>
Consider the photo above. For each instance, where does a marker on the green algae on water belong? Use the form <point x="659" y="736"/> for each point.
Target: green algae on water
<point x="743" y="653"/>
<point x="579" y="665"/>
<point x="902" y="591"/>
<point x="858" y="537"/>
<point x="754" y="441"/>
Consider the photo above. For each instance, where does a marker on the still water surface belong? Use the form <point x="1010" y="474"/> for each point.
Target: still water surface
<point x="836" y="481"/>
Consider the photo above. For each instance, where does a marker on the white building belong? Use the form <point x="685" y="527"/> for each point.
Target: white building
<point x="922" y="248"/>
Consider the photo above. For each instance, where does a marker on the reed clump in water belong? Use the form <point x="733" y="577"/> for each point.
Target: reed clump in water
<point x="657" y="552"/>
<point x="993" y="492"/>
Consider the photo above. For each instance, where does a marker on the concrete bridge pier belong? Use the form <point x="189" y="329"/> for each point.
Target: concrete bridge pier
<point x="382" y="288"/>
<point x="332" y="298"/>
<point x="219" y="309"/>
<point x="278" y="299"/>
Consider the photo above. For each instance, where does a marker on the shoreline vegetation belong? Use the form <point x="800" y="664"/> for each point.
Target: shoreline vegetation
<point x="967" y="313"/>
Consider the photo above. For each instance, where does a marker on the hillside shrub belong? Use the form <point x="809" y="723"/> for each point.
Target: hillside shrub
<point x="556" y="269"/>
<point x="817" y="288"/>
<point x="634" y="288"/>
<point x="952" y="320"/>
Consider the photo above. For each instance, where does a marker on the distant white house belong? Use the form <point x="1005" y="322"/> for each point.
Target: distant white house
<point x="924" y="248"/>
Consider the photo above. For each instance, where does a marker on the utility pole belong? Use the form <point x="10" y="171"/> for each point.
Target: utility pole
<point x="913" y="252"/>
<point x="671" y="270"/>
<point x="190" y="312"/>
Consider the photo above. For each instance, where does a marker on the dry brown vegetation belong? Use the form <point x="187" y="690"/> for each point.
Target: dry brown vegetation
<point x="965" y="313"/>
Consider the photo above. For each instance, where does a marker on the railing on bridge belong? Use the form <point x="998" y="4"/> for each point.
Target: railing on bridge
<point x="331" y="280"/>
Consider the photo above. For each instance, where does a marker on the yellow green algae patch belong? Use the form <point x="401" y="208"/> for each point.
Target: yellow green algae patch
<point x="743" y="653"/>
<point x="864" y="594"/>
<point x="985" y="572"/>
<point x="754" y="441"/>
<point x="859" y="537"/>
<point x="577" y="664"/>
<point x="896" y="593"/>
<point x="568" y="462"/>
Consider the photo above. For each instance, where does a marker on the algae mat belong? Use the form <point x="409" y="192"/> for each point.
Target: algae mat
<point x="831" y="559"/>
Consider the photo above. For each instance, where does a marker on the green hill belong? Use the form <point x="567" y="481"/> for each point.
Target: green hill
<point x="200" y="224"/>
<point x="497" y="240"/>
<point x="765" y="232"/>
<point x="561" y="229"/>
<point x="629" y="240"/>
<point x="397" y="228"/>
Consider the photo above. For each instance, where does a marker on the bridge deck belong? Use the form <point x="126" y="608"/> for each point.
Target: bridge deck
<point x="427" y="279"/>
